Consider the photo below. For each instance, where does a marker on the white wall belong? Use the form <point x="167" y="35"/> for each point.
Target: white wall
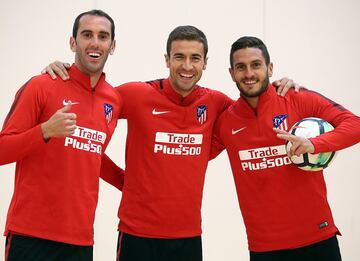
<point x="312" y="41"/>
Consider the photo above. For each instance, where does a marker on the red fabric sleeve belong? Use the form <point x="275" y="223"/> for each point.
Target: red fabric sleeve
<point x="21" y="131"/>
<point x="223" y="102"/>
<point x="111" y="173"/>
<point x="216" y="147"/>
<point x="346" y="124"/>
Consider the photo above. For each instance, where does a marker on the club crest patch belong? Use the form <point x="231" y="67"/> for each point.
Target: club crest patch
<point x="201" y="113"/>
<point x="280" y="122"/>
<point x="108" y="112"/>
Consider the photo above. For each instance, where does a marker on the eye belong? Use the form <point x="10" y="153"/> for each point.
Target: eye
<point x="196" y="59"/>
<point x="178" y="57"/>
<point x="104" y="37"/>
<point x="240" y="67"/>
<point x="87" y="35"/>
<point x="256" y="65"/>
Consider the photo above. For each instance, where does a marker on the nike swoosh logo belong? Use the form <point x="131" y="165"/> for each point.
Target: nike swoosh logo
<point x="233" y="132"/>
<point x="65" y="102"/>
<point x="155" y="112"/>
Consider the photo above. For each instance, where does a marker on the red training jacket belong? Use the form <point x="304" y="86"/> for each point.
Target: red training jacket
<point x="56" y="183"/>
<point x="283" y="207"/>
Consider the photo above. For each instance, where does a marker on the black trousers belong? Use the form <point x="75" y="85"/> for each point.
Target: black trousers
<point x="24" y="248"/>
<point x="133" y="248"/>
<point x="326" y="250"/>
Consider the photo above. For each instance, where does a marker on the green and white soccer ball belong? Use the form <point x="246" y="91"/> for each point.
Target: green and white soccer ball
<point x="309" y="128"/>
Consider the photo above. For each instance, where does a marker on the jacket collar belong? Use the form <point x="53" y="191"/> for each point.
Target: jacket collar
<point x="83" y="79"/>
<point x="242" y="106"/>
<point x="176" y="97"/>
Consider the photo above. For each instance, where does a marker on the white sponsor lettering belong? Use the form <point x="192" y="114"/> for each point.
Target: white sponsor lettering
<point x="86" y="146"/>
<point x="91" y="137"/>
<point x="265" y="163"/>
<point x="264" y="152"/>
<point x="89" y="134"/>
<point x="180" y="150"/>
<point x="263" y="158"/>
<point x="178" y="138"/>
<point x="178" y="143"/>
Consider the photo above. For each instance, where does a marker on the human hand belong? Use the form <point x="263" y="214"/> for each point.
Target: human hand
<point x="61" y="124"/>
<point x="57" y="68"/>
<point x="284" y="84"/>
<point x="299" y="145"/>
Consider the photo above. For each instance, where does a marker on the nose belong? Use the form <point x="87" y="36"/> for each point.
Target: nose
<point x="187" y="65"/>
<point x="94" y="42"/>
<point x="249" y="72"/>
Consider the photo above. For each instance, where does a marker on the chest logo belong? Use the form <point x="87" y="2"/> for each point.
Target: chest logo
<point x="66" y="102"/>
<point x="201" y="113"/>
<point x="234" y="131"/>
<point x="280" y="122"/>
<point x="155" y="112"/>
<point x="108" y="112"/>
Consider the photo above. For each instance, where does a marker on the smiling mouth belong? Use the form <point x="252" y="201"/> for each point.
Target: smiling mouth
<point x="249" y="82"/>
<point x="186" y="76"/>
<point x="94" y="55"/>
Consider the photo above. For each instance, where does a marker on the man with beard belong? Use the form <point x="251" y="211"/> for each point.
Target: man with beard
<point x="285" y="210"/>
<point x="170" y="124"/>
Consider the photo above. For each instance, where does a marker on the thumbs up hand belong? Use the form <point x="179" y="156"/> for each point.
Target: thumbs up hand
<point x="61" y="124"/>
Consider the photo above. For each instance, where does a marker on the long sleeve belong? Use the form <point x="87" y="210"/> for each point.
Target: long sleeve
<point x="346" y="124"/>
<point x="111" y="173"/>
<point x="21" y="131"/>
<point x="217" y="145"/>
<point x="346" y="134"/>
<point x="223" y="104"/>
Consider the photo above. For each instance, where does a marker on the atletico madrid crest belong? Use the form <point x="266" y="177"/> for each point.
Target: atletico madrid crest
<point x="201" y="112"/>
<point x="280" y="122"/>
<point x="108" y="111"/>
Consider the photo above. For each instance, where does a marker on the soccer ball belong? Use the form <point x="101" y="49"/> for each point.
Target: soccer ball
<point x="309" y="128"/>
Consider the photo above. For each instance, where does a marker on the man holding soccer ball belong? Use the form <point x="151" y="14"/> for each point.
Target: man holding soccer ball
<point x="285" y="209"/>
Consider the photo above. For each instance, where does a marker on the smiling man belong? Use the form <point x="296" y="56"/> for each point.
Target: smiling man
<point x="169" y="138"/>
<point x="170" y="127"/>
<point x="285" y="209"/>
<point x="56" y="132"/>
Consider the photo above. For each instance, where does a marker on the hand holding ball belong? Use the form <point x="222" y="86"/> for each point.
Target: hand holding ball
<point x="309" y="128"/>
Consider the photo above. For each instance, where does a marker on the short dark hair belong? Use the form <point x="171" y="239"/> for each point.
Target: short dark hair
<point x="187" y="32"/>
<point x="94" y="12"/>
<point x="249" y="42"/>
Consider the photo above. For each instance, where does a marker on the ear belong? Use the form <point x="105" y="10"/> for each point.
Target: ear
<point x="167" y="60"/>
<point x="231" y="71"/>
<point x="112" y="47"/>
<point x="205" y="63"/>
<point x="72" y="44"/>
<point x="270" y="69"/>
